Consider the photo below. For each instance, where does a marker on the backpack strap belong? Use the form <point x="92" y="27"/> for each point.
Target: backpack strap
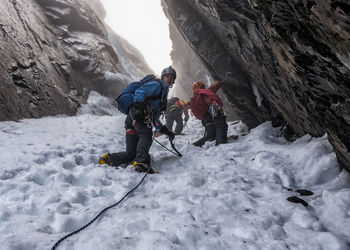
<point x="163" y="102"/>
<point x="159" y="96"/>
<point x="161" y="91"/>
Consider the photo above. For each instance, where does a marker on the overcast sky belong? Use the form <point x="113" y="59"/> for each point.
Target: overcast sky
<point x="144" y="25"/>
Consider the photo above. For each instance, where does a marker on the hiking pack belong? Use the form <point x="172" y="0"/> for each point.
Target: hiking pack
<point x="198" y="107"/>
<point x="125" y="99"/>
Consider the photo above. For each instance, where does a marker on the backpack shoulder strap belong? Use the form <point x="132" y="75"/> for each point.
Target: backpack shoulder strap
<point x="159" y="96"/>
<point x="163" y="101"/>
<point x="161" y="89"/>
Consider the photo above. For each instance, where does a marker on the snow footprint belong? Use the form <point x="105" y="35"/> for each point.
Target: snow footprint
<point x="7" y="174"/>
<point x="137" y="226"/>
<point x="5" y="214"/>
<point x="63" y="207"/>
<point x="67" y="223"/>
<point x="66" y="178"/>
<point x="44" y="157"/>
<point x="79" y="197"/>
<point x="68" y="165"/>
<point x="37" y="178"/>
<point x="196" y="181"/>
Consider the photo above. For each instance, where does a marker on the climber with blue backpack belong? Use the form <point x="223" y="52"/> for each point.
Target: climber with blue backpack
<point x="143" y="102"/>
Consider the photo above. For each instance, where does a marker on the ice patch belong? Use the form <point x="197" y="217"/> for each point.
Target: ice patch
<point x="97" y="105"/>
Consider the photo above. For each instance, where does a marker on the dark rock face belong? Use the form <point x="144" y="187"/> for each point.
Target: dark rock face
<point x="215" y="56"/>
<point x="54" y="52"/>
<point x="190" y="69"/>
<point x="295" y="54"/>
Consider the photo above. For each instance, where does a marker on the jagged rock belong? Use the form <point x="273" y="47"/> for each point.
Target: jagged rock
<point x="296" y="54"/>
<point x="54" y="52"/>
<point x="190" y="69"/>
<point x="194" y="28"/>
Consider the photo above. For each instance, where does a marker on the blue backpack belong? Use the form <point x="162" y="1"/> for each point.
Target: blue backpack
<point x="125" y="99"/>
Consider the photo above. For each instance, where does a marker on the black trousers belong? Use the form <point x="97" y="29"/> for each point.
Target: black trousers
<point x="215" y="129"/>
<point x="138" y="142"/>
<point x="174" y="114"/>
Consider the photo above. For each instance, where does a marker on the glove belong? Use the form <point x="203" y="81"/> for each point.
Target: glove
<point x="165" y="130"/>
<point x="138" y="113"/>
<point x="186" y="118"/>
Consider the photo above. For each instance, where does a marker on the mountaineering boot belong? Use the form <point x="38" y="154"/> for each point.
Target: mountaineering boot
<point x="105" y="159"/>
<point x="143" y="167"/>
<point x="200" y="142"/>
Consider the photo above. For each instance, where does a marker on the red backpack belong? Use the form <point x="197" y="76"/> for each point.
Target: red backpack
<point x="199" y="107"/>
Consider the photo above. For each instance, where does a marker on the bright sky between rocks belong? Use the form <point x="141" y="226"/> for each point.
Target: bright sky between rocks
<point x="144" y="25"/>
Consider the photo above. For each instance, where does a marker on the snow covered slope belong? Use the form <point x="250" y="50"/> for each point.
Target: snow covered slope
<point x="233" y="196"/>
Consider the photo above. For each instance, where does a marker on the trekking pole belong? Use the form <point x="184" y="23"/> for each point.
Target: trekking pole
<point x="173" y="146"/>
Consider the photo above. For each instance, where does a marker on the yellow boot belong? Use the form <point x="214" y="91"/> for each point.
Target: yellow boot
<point x="105" y="159"/>
<point x="143" y="167"/>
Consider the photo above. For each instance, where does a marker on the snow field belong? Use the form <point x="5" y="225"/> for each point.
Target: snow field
<point x="228" y="197"/>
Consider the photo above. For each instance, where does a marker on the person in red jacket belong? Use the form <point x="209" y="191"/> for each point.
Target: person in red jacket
<point x="207" y="106"/>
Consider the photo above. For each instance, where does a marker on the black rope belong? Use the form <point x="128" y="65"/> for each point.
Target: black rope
<point x="104" y="210"/>
<point x="177" y="153"/>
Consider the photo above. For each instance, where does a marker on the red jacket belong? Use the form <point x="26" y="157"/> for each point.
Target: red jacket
<point x="201" y="101"/>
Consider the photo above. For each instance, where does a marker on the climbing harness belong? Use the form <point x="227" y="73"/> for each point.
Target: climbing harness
<point x="149" y="115"/>
<point x="149" y="121"/>
<point x="100" y="213"/>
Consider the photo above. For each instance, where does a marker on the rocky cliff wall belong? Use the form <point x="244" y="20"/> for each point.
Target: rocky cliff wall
<point x="54" y="52"/>
<point x="216" y="58"/>
<point x="190" y="68"/>
<point x="294" y="55"/>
